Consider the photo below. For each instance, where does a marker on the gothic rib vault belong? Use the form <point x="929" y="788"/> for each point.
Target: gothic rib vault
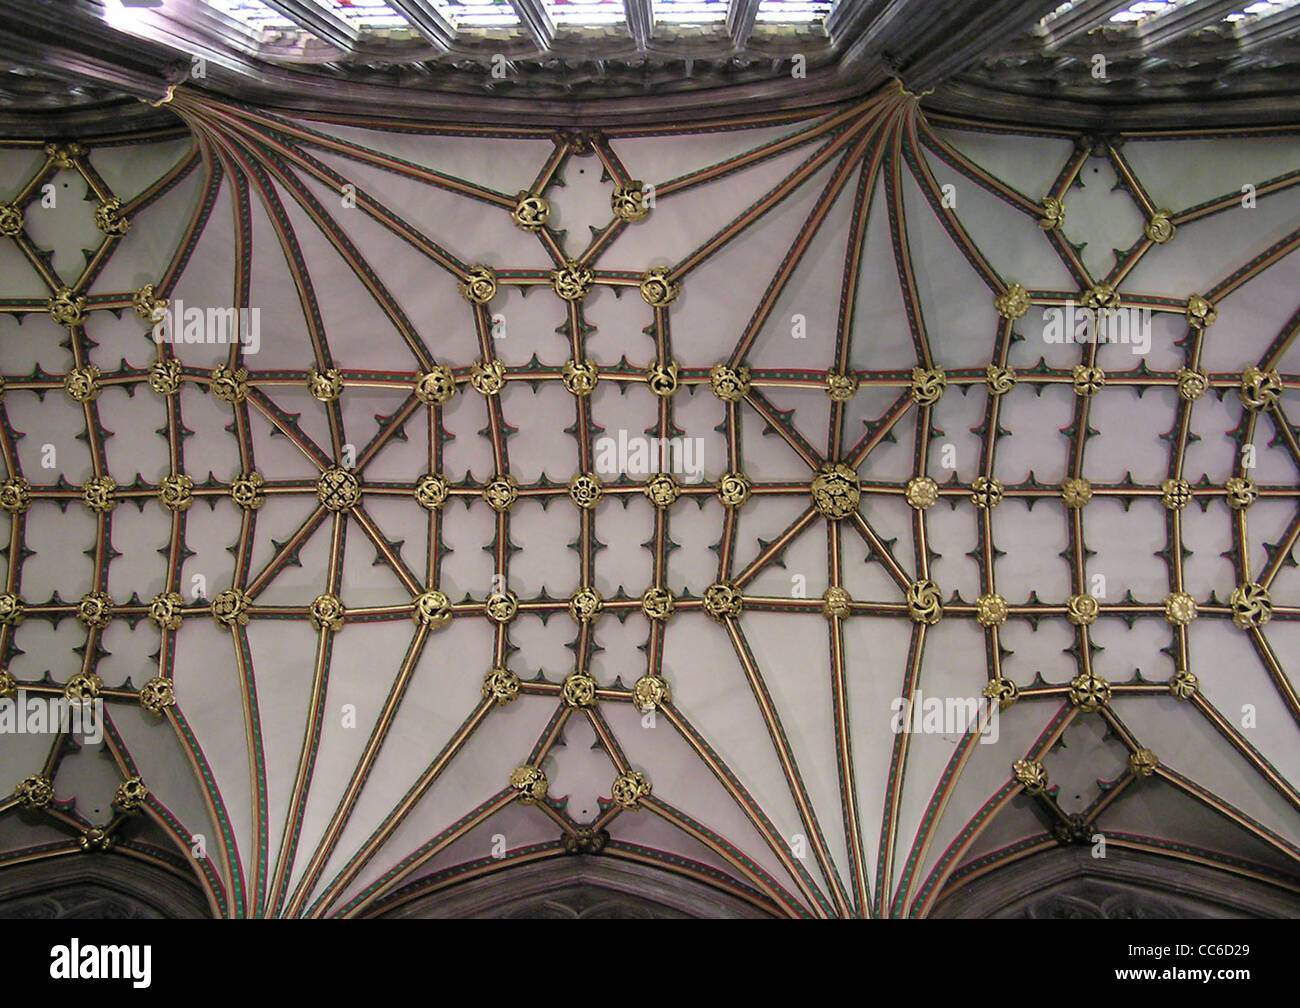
<point x="368" y="617"/>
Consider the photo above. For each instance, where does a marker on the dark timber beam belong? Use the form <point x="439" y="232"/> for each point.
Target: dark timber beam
<point x="73" y="43"/>
<point x="640" y="21"/>
<point x="866" y="27"/>
<point x="1080" y="19"/>
<point x="1254" y="43"/>
<point x="1268" y="29"/>
<point x="319" y="21"/>
<point x="425" y="19"/>
<point x="1174" y="24"/>
<point x="1150" y="38"/>
<point x="533" y="16"/>
<point x="971" y="31"/>
<point x="740" y="21"/>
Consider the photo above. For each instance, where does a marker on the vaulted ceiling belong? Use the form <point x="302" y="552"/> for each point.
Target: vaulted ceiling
<point x="388" y="597"/>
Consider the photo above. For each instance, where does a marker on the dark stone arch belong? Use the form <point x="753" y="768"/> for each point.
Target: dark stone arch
<point x="1070" y="883"/>
<point x="97" y="887"/>
<point x="573" y="888"/>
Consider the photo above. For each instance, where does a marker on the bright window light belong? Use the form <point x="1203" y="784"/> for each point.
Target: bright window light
<point x="477" y="13"/>
<point x="1049" y="18"/>
<point x="690" y="12"/>
<point x="370" y="14"/>
<point x="254" y="14"/>
<point x="1138" y="12"/>
<point x="793" y="12"/>
<point x="381" y="15"/>
<point x="585" y="13"/>
<point x="1260" y="10"/>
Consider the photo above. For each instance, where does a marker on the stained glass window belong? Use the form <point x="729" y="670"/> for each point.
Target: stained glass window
<point x="477" y="13"/>
<point x="370" y="14"/>
<point x="691" y="12"/>
<point x="373" y="14"/>
<point x="581" y="13"/>
<point x="255" y="14"/>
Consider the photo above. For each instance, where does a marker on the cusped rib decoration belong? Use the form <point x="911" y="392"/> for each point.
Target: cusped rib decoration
<point x="770" y="773"/>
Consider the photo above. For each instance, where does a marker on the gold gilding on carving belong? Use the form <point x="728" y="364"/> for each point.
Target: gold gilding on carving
<point x="835" y="490"/>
